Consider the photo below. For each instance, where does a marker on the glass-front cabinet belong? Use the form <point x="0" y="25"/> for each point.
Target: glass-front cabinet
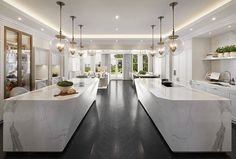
<point x="18" y="60"/>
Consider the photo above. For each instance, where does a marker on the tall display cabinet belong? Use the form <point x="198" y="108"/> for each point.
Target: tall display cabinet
<point x="18" y="60"/>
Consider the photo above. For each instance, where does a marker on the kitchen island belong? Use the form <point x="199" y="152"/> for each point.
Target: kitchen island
<point x="40" y="122"/>
<point x="189" y="120"/>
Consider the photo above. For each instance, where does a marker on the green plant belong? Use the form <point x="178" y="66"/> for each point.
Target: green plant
<point x="141" y="72"/>
<point x="232" y="48"/>
<point x="64" y="83"/>
<point x="220" y="50"/>
<point x="226" y="48"/>
<point x="54" y="74"/>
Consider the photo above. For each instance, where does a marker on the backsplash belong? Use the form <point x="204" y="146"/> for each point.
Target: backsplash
<point x="224" y="39"/>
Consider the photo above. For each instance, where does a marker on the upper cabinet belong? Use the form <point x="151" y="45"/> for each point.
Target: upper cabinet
<point x="41" y="56"/>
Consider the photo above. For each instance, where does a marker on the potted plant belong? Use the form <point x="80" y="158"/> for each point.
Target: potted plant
<point x="233" y="50"/>
<point x="227" y="51"/>
<point x="220" y="51"/>
<point x="64" y="85"/>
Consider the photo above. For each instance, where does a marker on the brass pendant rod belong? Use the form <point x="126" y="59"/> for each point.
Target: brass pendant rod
<point x="60" y="4"/>
<point x="161" y="17"/>
<point x="152" y="36"/>
<point x="80" y="26"/>
<point x="73" y="22"/>
<point x="173" y="4"/>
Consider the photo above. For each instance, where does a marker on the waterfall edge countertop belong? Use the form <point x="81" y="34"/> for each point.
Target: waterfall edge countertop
<point x="39" y="122"/>
<point x="189" y="120"/>
<point x="177" y="92"/>
<point x="47" y="93"/>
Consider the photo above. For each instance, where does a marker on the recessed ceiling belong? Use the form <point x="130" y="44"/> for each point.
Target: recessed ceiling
<point x="98" y="17"/>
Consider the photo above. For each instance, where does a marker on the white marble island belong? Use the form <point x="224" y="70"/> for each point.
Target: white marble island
<point x="189" y="120"/>
<point x="39" y="122"/>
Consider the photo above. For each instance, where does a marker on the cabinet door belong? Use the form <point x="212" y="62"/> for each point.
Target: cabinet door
<point x="233" y="102"/>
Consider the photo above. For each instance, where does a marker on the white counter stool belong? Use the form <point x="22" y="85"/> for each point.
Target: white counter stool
<point x="17" y="91"/>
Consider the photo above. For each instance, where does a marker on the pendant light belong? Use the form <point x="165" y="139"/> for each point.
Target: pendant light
<point x="161" y="48"/>
<point x="153" y="51"/>
<point x="174" y="43"/>
<point x="81" y="51"/>
<point x="73" y="45"/>
<point x="59" y="44"/>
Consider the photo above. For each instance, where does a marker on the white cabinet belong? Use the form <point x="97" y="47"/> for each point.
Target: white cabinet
<point x="41" y="56"/>
<point x="198" y="86"/>
<point x="218" y="91"/>
<point x="233" y="102"/>
<point x="56" y="59"/>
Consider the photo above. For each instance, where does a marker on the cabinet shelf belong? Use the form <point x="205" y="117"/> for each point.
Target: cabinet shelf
<point x="219" y="58"/>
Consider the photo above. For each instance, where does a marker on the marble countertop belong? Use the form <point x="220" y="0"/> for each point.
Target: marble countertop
<point x="229" y="87"/>
<point x="47" y="93"/>
<point x="177" y="92"/>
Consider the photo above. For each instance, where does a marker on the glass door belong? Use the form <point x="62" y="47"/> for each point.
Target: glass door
<point x="117" y="66"/>
<point x="18" y="54"/>
<point x="25" y="61"/>
<point x="11" y="60"/>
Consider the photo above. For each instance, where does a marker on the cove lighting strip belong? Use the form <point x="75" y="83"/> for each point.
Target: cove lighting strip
<point x="17" y="4"/>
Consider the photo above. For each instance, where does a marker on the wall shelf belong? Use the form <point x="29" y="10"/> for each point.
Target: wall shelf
<point x="219" y="58"/>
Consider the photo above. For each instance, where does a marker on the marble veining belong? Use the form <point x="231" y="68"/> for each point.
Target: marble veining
<point x="39" y="122"/>
<point x="189" y="120"/>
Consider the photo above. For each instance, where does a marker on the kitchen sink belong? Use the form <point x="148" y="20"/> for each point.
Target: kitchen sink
<point x="220" y="84"/>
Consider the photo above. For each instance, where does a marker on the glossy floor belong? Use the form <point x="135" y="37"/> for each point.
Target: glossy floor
<point x="117" y="127"/>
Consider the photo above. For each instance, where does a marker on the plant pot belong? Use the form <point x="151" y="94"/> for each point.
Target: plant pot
<point x="220" y="55"/>
<point x="63" y="89"/>
<point x="226" y="54"/>
<point x="233" y="54"/>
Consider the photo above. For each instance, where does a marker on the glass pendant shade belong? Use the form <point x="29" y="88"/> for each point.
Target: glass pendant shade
<point x="161" y="49"/>
<point x="153" y="51"/>
<point x="174" y="43"/>
<point x="58" y="46"/>
<point x="73" y="49"/>
<point x="161" y="46"/>
<point x="176" y="46"/>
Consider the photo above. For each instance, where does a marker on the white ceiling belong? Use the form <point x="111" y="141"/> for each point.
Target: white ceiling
<point x="98" y="17"/>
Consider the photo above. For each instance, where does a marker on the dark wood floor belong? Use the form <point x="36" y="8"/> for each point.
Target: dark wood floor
<point x="117" y="127"/>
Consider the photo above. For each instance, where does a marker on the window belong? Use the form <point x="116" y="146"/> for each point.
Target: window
<point x="135" y="63"/>
<point x="145" y="63"/>
<point x="87" y="67"/>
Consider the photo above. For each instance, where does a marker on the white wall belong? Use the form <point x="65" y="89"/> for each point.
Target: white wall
<point x="228" y="38"/>
<point x="39" y="40"/>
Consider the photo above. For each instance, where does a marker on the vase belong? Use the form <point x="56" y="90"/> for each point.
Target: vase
<point x="226" y="54"/>
<point x="220" y="55"/>
<point x="233" y="54"/>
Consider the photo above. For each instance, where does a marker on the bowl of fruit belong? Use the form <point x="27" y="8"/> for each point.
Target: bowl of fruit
<point x="64" y="85"/>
